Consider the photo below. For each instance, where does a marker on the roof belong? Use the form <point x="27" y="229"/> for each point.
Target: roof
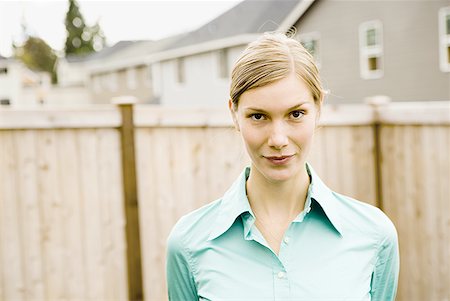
<point x="248" y="17"/>
<point x="105" y="52"/>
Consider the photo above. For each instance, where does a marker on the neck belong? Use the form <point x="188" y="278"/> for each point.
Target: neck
<point x="277" y="200"/>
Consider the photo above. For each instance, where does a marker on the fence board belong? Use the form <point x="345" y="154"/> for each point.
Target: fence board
<point x="69" y="183"/>
<point x="112" y="215"/>
<point x="91" y="210"/>
<point x="12" y="253"/>
<point x="28" y="201"/>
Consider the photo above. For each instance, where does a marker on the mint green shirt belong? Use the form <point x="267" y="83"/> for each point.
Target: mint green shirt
<point x="336" y="249"/>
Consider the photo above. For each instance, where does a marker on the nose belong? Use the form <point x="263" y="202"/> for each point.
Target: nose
<point x="278" y="136"/>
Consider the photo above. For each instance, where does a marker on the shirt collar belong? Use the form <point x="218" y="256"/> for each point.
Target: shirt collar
<point x="324" y="196"/>
<point x="235" y="202"/>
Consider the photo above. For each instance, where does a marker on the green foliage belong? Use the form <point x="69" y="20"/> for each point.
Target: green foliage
<point x="81" y="39"/>
<point x="37" y="55"/>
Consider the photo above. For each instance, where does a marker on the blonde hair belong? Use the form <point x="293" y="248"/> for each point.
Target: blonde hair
<point x="270" y="58"/>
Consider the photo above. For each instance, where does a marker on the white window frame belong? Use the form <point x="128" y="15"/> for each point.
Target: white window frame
<point x="444" y="40"/>
<point x="366" y="52"/>
<point x="131" y="76"/>
<point x="312" y="36"/>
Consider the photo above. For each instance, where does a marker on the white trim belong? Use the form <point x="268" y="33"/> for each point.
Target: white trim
<point x="444" y="40"/>
<point x="366" y="52"/>
<point x="295" y="15"/>
<point x="309" y="36"/>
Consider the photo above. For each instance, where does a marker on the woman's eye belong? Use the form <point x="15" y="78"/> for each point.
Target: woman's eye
<point x="297" y="114"/>
<point x="257" y="116"/>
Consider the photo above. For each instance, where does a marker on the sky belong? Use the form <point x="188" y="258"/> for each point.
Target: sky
<point x="119" y="20"/>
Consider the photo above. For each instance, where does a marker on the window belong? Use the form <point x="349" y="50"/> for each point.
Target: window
<point x="5" y="102"/>
<point x="223" y="63"/>
<point x="444" y="39"/>
<point x="371" y="49"/>
<point x="131" y="78"/>
<point x="180" y="70"/>
<point x="311" y="43"/>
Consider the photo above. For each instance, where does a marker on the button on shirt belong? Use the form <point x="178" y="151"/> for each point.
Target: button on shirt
<point x="336" y="249"/>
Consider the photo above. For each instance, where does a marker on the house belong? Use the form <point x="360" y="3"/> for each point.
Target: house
<point x="195" y="70"/>
<point x="124" y="70"/>
<point x="20" y="86"/>
<point x="400" y="49"/>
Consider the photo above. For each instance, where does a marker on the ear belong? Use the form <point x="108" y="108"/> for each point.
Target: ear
<point x="233" y="114"/>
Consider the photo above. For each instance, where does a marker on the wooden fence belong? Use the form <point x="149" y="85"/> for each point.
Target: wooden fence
<point x="67" y="214"/>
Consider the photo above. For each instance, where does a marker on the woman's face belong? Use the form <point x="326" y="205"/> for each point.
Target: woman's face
<point x="277" y="124"/>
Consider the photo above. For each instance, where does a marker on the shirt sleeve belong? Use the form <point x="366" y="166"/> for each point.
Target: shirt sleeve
<point x="385" y="274"/>
<point x="180" y="280"/>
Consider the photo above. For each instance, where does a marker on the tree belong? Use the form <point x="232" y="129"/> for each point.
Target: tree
<point x="81" y="39"/>
<point x="37" y="55"/>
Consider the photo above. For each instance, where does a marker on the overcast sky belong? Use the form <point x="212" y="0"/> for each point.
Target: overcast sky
<point x="120" y="20"/>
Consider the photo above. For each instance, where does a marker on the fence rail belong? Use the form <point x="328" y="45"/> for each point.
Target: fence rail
<point x="63" y="199"/>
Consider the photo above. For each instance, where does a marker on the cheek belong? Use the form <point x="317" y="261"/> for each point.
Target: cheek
<point x="251" y="138"/>
<point x="305" y="134"/>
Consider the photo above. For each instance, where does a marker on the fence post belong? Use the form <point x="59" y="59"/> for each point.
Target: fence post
<point x="131" y="204"/>
<point x="376" y="102"/>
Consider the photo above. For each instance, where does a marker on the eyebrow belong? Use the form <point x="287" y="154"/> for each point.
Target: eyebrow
<point x="289" y="109"/>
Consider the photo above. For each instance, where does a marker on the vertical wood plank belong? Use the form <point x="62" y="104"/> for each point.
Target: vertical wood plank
<point x="113" y="220"/>
<point x="68" y="168"/>
<point x="91" y="211"/>
<point x="52" y="214"/>
<point x="30" y="220"/>
<point x="12" y="250"/>
<point x="146" y="175"/>
<point x="134" y="269"/>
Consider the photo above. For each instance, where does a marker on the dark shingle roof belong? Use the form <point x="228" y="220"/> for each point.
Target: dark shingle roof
<point x="248" y="17"/>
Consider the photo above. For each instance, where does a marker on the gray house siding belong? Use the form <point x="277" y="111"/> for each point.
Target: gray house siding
<point x="410" y="49"/>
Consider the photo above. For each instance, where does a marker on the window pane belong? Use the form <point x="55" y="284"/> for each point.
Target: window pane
<point x="223" y="63"/>
<point x="371" y="37"/>
<point x="310" y="46"/>
<point x="448" y="23"/>
<point x="448" y="54"/>
<point x="373" y="63"/>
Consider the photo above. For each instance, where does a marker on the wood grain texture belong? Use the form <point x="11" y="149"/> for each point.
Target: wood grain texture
<point x="62" y="219"/>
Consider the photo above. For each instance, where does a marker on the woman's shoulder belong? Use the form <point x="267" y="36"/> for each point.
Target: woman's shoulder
<point x="195" y="225"/>
<point x="365" y="217"/>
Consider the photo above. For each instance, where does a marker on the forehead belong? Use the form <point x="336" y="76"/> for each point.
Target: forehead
<point x="280" y="95"/>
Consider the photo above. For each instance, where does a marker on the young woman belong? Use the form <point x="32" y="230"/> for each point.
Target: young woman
<point x="279" y="233"/>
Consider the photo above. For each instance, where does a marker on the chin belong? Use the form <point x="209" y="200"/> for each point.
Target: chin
<point x="279" y="175"/>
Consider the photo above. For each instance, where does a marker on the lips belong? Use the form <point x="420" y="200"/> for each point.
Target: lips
<point x="279" y="160"/>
